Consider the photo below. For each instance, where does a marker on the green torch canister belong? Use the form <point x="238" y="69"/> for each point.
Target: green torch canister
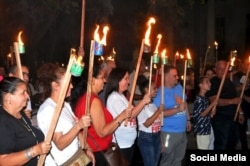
<point x="164" y="60"/>
<point x="156" y="58"/>
<point x="21" y="48"/>
<point x="77" y="67"/>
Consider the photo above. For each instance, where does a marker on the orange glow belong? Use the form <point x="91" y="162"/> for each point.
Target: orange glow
<point x="147" y="34"/>
<point x="19" y="39"/>
<point x="97" y="36"/>
<point x="163" y="53"/>
<point x="249" y="59"/>
<point x="159" y="36"/>
<point x="188" y="54"/>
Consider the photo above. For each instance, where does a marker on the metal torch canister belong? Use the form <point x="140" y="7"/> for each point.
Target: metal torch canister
<point x="98" y="50"/>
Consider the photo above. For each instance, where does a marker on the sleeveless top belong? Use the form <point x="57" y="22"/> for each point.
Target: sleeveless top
<point x="93" y="138"/>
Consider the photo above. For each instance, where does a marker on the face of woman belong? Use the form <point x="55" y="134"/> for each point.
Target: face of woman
<point x="68" y="93"/>
<point x="20" y="97"/>
<point x="123" y="84"/>
<point x="99" y="81"/>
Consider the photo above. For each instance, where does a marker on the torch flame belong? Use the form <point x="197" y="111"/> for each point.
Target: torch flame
<point x="105" y="31"/>
<point x="159" y="36"/>
<point x="147" y="34"/>
<point x="216" y="44"/>
<point x="232" y="61"/>
<point x="182" y="56"/>
<point x="19" y="37"/>
<point x="97" y="36"/>
<point x="188" y="54"/>
<point x="155" y="66"/>
<point x="163" y="53"/>
<point x="177" y="54"/>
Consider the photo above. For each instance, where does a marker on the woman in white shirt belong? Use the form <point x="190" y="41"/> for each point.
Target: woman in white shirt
<point x="117" y="102"/>
<point x="65" y="142"/>
<point x="149" y="121"/>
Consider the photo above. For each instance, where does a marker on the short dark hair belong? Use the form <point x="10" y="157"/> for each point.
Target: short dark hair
<point x="167" y="68"/>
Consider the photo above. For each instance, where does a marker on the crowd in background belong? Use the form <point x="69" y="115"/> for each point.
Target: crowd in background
<point x="160" y="137"/>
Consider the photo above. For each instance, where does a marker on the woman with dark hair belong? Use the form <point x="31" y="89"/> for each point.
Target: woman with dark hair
<point x="20" y="142"/>
<point x="103" y="124"/>
<point x="65" y="141"/>
<point x="117" y="84"/>
<point x="149" y="126"/>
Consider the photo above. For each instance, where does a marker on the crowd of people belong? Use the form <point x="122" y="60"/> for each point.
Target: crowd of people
<point x="157" y="127"/>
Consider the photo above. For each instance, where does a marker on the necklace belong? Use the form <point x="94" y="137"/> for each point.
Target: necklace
<point x="28" y="128"/>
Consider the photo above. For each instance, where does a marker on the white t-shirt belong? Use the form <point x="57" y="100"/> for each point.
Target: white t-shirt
<point x="125" y="135"/>
<point x="65" y="122"/>
<point x="147" y="112"/>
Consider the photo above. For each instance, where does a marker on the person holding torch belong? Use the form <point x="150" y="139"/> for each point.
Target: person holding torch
<point x="224" y="126"/>
<point x="176" y="119"/>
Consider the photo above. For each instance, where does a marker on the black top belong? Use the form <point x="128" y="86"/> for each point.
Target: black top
<point x="16" y="135"/>
<point x="228" y="92"/>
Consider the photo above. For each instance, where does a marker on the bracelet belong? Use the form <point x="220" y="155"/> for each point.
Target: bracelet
<point x="28" y="154"/>
<point x="119" y="123"/>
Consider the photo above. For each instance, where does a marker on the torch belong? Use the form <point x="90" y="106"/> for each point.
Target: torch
<point x="243" y="88"/>
<point x="145" y="45"/>
<point x="177" y="56"/>
<point x="205" y="59"/>
<point x="216" y="51"/>
<point x="96" y="48"/>
<point x="164" y="61"/>
<point x="19" y="49"/>
<point x="228" y="66"/>
<point x="60" y="101"/>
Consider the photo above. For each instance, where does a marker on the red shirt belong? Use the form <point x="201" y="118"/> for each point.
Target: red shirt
<point x="103" y="143"/>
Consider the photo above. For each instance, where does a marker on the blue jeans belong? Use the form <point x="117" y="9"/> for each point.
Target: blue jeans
<point x="150" y="147"/>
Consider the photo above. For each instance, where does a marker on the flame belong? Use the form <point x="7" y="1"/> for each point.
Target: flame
<point x="159" y="36"/>
<point x="216" y="44"/>
<point x="182" y="56"/>
<point x="113" y="51"/>
<point x="19" y="39"/>
<point x="155" y="66"/>
<point x="105" y="31"/>
<point x="188" y="54"/>
<point x="163" y="53"/>
<point x="177" y="54"/>
<point x="97" y="36"/>
<point x="147" y="34"/>
<point x="9" y="55"/>
<point x="232" y="61"/>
